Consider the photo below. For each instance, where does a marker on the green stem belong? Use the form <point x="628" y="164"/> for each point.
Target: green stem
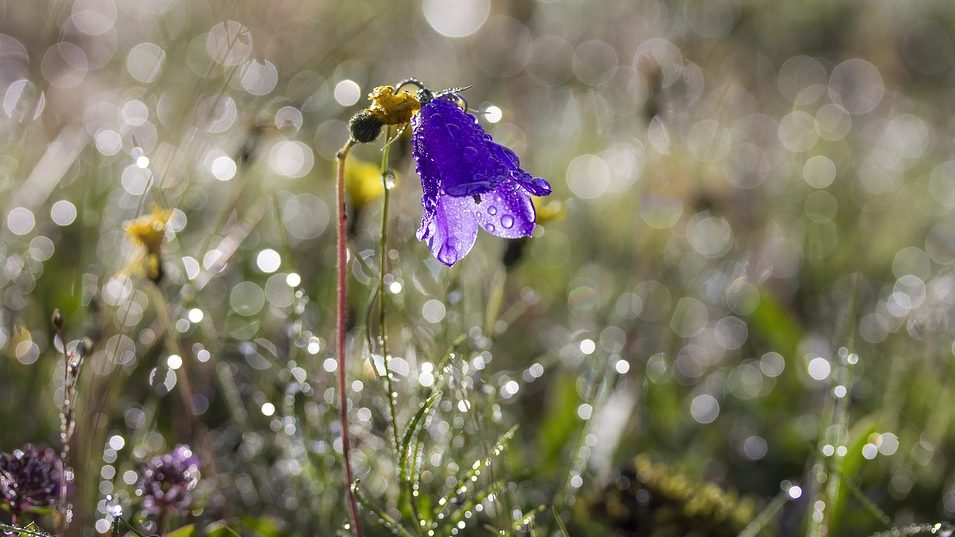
<point x="22" y="531"/>
<point x="383" y="255"/>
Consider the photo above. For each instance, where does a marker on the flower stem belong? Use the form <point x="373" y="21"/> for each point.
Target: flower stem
<point x="383" y="254"/>
<point x="340" y="339"/>
<point x="184" y="385"/>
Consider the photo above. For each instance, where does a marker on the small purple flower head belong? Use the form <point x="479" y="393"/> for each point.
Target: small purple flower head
<point x="168" y="481"/>
<point x="467" y="180"/>
<point x="30" y="477"/>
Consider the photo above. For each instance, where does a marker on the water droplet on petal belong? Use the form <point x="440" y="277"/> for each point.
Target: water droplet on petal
<point x="492" y="210"/>
<point x="490" y="228"/>
<point x="507" y="221"/>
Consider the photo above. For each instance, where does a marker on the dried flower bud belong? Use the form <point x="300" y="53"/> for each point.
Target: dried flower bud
<point x="364" y="127"/>
<point x="392" y="108"/>
<point x="29" y="477"/>
<point x="57" y="319"/>
<point x="168" y="481"/>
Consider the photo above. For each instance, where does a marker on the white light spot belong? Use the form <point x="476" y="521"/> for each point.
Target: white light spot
<point x="426" y="379"/>
<point x="195" y="315"/>
<point x="142" y="162"/>
<point x="117" y="442"/>
<point x="819" y="368"/>
<point x="108" y="142"/>
<point x="223" y="168"/>
<point x="889" y="444"/>
<point x="229" y="43"/>
<point x="755" y="448"/>
<point x="456" y="18"/>
<point x="704" y="408"/>
<point x="145" y="62"/>
<point x="174" y="361"/>
<point x="347" y="92"/>
<point x="584" y="411"/>
<point x="394" y="287"/>
<point x="795" y="492"/>
<point x="268" y="261"/>
<point x="511" y="388"/>
<point x="130" y="477"/>
<point x="291" y="158"/>
<point x="839" y="391"/>
<point x="330" y="365"/>
<point x="63" y="213"/>
<point x="622" y="366"/>
<point x="268" y="409"/>
<point x="588" y="346"/>
<point x="20" y="221"/>
<point x="433" y="311"/>
<point x="293" y="279"/>
<point x="493" y="114"/>
<point x="869" y="451"/>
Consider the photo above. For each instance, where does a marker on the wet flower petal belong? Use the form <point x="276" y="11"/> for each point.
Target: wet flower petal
<point x="534" y="185"/>
<point x="450" y="229"/>
<point x="506" y="212"/>
<point x="459" y="149"/>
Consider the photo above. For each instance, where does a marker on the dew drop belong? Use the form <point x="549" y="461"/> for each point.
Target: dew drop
<point x="490" y="228"/>
<point x="492" y="210"/>
<point x="507" y="221"/>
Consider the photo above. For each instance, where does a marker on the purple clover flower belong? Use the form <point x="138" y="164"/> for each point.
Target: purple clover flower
<point x="168" y="481"/>
<point x="467" y="181"/>
<point x="30" y="477"/>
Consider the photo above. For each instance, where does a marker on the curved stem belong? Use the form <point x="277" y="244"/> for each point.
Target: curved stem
<point x="340" y="339"/>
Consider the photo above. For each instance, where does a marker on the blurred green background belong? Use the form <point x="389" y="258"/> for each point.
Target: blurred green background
<point x="748" y="281"/>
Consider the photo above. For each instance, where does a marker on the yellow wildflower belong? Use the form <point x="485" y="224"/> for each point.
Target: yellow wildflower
<point x="363" y="183"/>
<point x="392" y="108"/>
<point x="148" y="231"/>
<point x="549" y="212"/>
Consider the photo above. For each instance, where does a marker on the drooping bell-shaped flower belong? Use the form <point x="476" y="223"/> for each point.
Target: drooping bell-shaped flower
<point x="467" y="180"/>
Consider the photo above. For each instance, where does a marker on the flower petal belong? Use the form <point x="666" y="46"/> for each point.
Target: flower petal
<point x="509" y="159"/>
<point x="450" y="229"/>
<point x="506" y="212"/>
<point x="449" y="142"/>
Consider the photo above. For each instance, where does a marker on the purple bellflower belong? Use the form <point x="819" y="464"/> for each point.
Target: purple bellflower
<point x="467" y="180"/>
<point x="30" y="477"/>
<point x="168" y="480"/>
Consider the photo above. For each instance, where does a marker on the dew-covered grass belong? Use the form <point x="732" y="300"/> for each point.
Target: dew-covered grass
<point x="734" y="316"/>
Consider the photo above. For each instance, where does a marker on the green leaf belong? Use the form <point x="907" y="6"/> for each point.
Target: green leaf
<point x="560" y="522"/>
<point x="188" y="530"/>
<point x="383" y="517"/>
<point x="263" y="525"/>
<point x="219" y="529"/>
<point x="405" y="472"/>
<point x="464" y="483"/>
<point x="31" y="530"/>
<point x="849" y="466"/>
